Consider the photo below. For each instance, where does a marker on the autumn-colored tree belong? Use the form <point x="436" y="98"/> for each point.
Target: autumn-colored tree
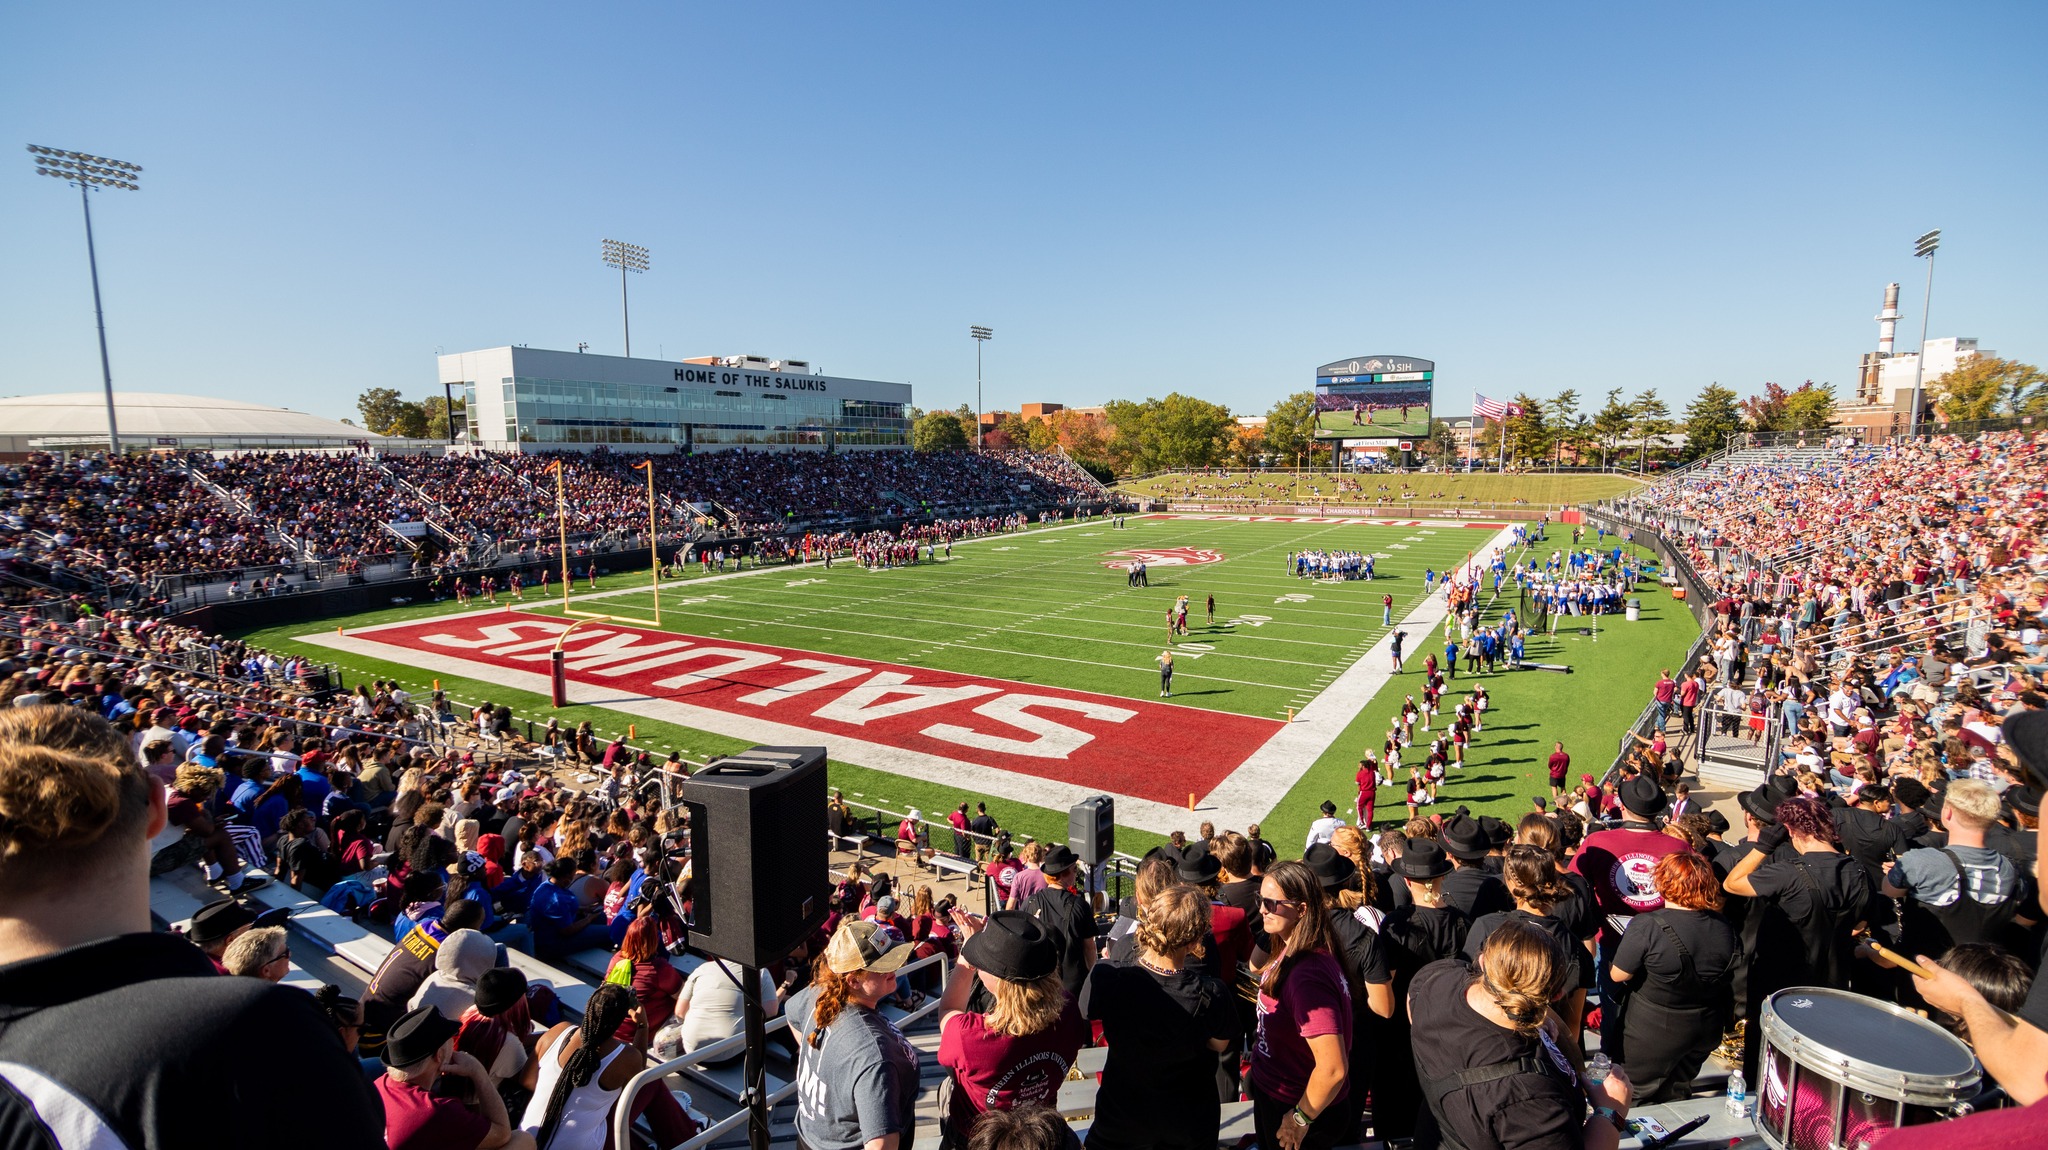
<point x="1987" y="386"/>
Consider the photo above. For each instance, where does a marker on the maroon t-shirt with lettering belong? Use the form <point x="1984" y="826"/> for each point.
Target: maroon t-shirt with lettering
<point x="998" y="1072"/>
<point x="1621" y="865"/>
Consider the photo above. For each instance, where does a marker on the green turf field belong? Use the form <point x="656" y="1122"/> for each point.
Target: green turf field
<point x="1535" y="489"/>
<point x="1340" y="425"/>
<point x="1041" y="607"/>
<point x="1613" y="672"/>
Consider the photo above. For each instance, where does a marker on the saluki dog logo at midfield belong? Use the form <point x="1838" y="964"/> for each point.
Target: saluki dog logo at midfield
<point x="1163" y="557"/>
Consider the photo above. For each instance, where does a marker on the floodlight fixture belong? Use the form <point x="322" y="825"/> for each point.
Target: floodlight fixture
<point x="627" y="258"/>
<point x="1923" y="248"/>
<point x="90" y="173"/>
<point x="981" y="336"/>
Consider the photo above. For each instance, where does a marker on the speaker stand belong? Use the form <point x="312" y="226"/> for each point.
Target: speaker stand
<point x="756" y="1065"/>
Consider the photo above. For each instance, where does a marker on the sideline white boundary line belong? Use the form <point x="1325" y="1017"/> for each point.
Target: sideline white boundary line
<point x="1255" y="788"/>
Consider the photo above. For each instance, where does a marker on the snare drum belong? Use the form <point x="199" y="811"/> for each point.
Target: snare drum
<point x="1839" y="1069"/>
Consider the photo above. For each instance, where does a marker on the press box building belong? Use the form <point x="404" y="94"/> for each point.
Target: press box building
<point x="533" y="399"/>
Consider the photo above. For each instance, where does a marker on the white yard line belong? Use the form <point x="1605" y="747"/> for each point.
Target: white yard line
<point x="1261" y="781"/>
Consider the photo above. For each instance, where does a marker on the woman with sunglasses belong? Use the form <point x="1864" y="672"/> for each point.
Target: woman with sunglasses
<point x="1299" y="1068"/>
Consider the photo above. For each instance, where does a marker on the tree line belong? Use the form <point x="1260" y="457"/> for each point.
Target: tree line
<point x="1133" y="437"/>
<point x="385" y="412"/>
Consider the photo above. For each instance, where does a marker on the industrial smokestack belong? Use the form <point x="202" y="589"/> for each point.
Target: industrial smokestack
<point x="1887" y="320"/>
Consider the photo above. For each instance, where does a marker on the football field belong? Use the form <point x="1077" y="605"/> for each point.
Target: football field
<point x="1022" y="668"/>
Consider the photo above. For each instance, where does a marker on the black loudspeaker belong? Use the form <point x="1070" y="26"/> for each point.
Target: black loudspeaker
<point x="1091" y="829"/>
<point x="759" y="861"/>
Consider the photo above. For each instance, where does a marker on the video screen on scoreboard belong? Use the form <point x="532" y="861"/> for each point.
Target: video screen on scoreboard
<point x="1374" y="397"/>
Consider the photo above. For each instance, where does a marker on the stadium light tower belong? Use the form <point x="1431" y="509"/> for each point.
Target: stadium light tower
<point x="627" y="258"/>
<point x="88" y="174"/>
<point x="1922" y="247"/>
<point x="981" y="336"/>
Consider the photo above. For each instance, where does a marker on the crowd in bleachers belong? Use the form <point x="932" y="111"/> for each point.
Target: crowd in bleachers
<point x="122" y="520"/>
<point x="1443" y="978"/>
<point x="334" y="505"/>
<point x="85" y="520"/>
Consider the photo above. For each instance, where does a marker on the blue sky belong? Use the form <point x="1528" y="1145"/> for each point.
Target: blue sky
<point x="1138" y="199"/>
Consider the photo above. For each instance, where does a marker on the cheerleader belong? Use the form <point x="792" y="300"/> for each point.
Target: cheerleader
<point x="1415" y="797"/>
<point x="1409" y="713"/>
<point x="1459" y="740"/>
<point x="1435" y="767"/>
<point x="1480" y="702"/>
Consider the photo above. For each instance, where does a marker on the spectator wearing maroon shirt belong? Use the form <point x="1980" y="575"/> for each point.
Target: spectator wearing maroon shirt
<point x="1016" y="1053"/>
<point x="1621" y="865"/>
<point x="1560" y="769"/>
<point x="418" y="1052"/>
<point x="1300" y="1074"/>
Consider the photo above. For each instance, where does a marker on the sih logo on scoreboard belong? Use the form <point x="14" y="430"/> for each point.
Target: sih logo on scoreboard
<point x="1163" y="557"/>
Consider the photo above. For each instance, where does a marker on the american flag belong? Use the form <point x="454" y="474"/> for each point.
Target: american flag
<point x="1494" y="409"/>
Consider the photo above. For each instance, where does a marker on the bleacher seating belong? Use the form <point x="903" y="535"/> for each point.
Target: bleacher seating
<point x="75" y="524"/>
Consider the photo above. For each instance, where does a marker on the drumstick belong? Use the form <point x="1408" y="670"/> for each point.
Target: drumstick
<point x="1897" y="959"/>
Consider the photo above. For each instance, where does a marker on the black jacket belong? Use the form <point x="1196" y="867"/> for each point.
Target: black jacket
<point x="138" y="1037"/>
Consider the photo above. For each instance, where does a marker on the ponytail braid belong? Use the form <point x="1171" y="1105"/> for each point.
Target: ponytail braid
<point x="832" y="992"/>
<point x="608" y="1007"/>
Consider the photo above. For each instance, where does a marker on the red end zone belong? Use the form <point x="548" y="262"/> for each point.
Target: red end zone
<point x="1133" y="747"/>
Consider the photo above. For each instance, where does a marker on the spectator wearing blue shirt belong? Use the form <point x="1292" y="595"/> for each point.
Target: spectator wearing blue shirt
<point x="468" y="883"/>
<point x="560" y="925"/>
<point x="313" y="781"/>
<point x="266" y="808"/>
<point x="208" y="753"/>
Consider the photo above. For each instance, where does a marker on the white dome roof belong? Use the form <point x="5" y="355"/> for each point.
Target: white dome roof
<point x="144" y="414"/>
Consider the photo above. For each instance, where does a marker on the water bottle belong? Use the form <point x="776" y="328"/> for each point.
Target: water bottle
<point x="1598" y="1066"/>
<point x="1738" y="1094"/>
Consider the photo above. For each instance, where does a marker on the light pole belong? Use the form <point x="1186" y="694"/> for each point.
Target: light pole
<point x="627" y="258"/>
<point x="87" y="173"/>
<point x="981" y="336"/>
<point x="1924" y="246"/>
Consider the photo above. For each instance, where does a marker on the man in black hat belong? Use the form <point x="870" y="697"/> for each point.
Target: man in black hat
<point x="1472" y="888"/>
<point x="1867" y="835"/>
<point x="1066" y="915"/>
<point x="217" y="924"/>
<point x="418" y="1050"/>
<point x="1621" y="865"/>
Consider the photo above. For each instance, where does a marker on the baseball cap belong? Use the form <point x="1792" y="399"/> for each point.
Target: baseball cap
<point x="866" y="946"/>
